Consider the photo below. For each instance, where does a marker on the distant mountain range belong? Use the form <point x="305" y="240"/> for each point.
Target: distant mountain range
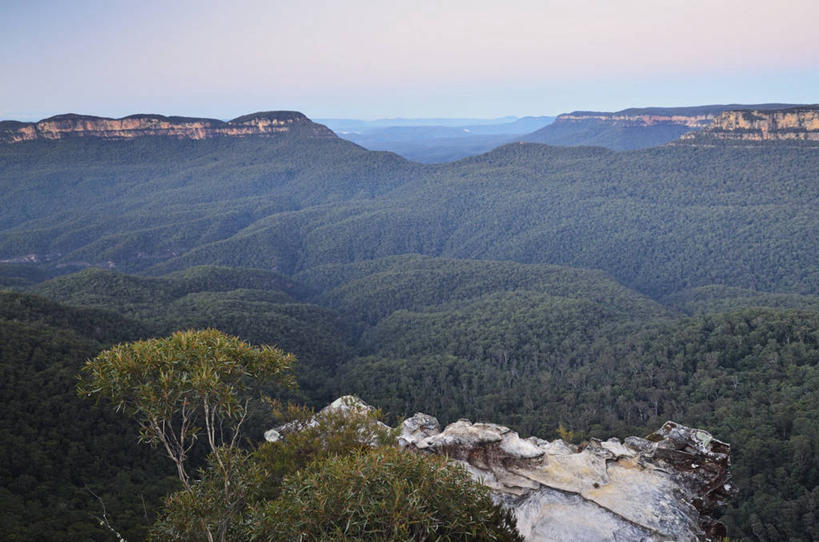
<point x="290" y="200"/>
<point x="435" y="140"/>
<point x="444" y="140"/>
<point x="358" y="125"/>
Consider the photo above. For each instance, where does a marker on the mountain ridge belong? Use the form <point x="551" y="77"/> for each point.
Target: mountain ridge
<point x="635" y="128"/>
<point x="69" y="125"/>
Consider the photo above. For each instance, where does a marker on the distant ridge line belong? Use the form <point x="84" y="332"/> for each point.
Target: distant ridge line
<point x="71" y="125"/>
<point x="691" y="109"/>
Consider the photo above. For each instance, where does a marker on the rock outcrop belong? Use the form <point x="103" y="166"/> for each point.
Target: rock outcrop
<point x="270" y="123"/>
<point x="790" y="124"/>
<point x="662" y="487"/>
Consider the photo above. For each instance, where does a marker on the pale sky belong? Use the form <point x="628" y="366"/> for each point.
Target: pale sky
<point x="391" y="58"/>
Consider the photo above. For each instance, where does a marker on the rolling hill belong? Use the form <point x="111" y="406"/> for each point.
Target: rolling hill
<point x="658" y="220"/>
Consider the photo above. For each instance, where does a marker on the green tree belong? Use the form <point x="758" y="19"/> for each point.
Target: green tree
<point x="181" y="386"/>
<point x="256" y="477"/>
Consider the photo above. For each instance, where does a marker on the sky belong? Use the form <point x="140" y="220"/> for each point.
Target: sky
<point x="396" y="58"/>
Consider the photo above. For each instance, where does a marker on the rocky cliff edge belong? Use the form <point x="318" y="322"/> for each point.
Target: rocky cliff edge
<point x="790" y="124"/>
<point x="666" y="486"/>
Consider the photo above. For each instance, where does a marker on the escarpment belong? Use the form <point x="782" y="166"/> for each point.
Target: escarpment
<point x="789" y="124"/>
<point x="635" y="128"/>
<point x="626" y="118"/>
<point x="269" y="123"/>
<point x="666" y="486"/>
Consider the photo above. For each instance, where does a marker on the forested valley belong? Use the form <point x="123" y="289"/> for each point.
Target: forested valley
<point x="565" y="292"/>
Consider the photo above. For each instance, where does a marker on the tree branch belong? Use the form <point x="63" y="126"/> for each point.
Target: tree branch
<point x="103" y="520"/>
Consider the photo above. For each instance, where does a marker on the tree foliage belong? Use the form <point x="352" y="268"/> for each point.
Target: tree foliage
<point x="324" y="480"/>
<point x="215" y="505"/>
<point x="179" y="385"/>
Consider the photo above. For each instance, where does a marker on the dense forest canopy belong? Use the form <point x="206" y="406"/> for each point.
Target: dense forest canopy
<point x="560" y="291"/>
<point x="659" y="220"/>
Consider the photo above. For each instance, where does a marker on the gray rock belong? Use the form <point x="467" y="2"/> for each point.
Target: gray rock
<point x="663" y="487"/>
<point x="659" y="488"/>
<point x="417" y="428"/>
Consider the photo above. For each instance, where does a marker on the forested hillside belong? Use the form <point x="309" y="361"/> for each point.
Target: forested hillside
<point x="548" y="350"/>
<point x="56" y="450"/>
<point x="571" y="355"/>
<point x="260" y="306"/>
<point x="574" y="292"/>
<point x="58" y="453"/>
<point x="658" y="221"/>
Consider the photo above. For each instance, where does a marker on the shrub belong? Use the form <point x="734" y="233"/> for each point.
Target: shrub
<point x="382" y="494"/>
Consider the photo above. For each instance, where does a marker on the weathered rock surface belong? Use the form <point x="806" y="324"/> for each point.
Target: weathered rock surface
<point x="659" y="488"/>
<point x="663" y="487"/>
<point x="269" y="123"/>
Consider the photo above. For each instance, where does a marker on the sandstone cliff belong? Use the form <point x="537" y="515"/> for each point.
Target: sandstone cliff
<point x="631" y="129"/>
<point x="791" y="124"/>
<point x="638" y="118"/>
<point x="71" y="126"/>
<point x="662" y="487"/>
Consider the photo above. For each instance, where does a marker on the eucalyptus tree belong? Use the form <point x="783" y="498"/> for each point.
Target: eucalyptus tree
<point x="191" y="385"/>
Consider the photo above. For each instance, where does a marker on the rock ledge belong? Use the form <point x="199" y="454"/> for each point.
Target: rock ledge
<point x="662" y="487"/>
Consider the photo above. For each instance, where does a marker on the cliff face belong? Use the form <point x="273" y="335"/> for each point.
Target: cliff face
<point x="792" y="124"/>
<point x="636" y="128"/>
<point x="662" y="487"/>
<point x="72" y="126"/>
<point x="638" y="119"/>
